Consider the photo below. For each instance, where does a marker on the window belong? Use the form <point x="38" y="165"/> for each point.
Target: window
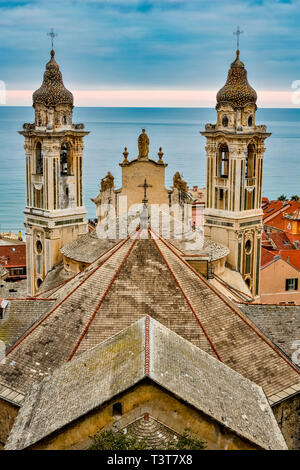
<point x="38" y="159"/>
<point x="65" y="160"/>
<point x="250" y="162"/>
<point x="250" y="121"/>
<point x="248" y="247"/>
<point x="223" y="162"/>
<point x="225" y="121"/>
<point x="291" y="284"/>
<point x="117" y="409"/>
<point x="39" y="246"/>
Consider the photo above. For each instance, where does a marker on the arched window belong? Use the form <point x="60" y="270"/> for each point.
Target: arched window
<point x="39" y="247"/>
<point x="250" y="162"/>
<point x="65" y="160"/>
<point x="225" y="121"/>
<point x="223" y="161"/>
<point x="64" y="120"/>
<point x="38" y="159"/>
<point x="250" y="121"/>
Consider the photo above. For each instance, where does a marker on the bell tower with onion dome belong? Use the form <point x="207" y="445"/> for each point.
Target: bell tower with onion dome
<point x="234" y="175"/>
<point x="55" y="212"/>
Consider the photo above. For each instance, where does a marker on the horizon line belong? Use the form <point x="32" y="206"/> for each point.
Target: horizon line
<point x="154" y="98"/>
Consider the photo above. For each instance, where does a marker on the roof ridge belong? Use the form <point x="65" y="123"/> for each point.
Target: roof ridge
<point x="186" y="298"/>
<point x="147" y="345"/>
<point x="101" y="301"/>
<point x="234" y="309"/>
<point x="66" y="297"/>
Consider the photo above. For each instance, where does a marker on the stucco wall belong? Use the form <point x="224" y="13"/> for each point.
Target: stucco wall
<point x="272" y="283"/>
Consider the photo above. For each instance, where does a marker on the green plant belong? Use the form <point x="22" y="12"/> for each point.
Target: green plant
<point x="282" y="198"/>
<point x="111" y="440"/>
<point x="118" y="440"/>
<point x="295" y="198"/>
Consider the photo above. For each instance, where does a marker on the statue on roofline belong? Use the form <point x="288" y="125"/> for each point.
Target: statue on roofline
<point x="143" y="145"/>
<point x="179" y="183"/>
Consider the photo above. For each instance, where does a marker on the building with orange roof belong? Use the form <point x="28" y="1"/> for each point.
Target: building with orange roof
<point x="280" y="254"/>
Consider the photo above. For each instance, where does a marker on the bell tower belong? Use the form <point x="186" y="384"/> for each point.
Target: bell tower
<point x="234" y="175"/>
<point x="55" y="212"/>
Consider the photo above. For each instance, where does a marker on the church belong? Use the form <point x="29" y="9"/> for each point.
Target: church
<point x="150" y="329"/>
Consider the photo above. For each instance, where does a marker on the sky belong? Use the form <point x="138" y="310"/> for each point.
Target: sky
<point x="151" y="53"/>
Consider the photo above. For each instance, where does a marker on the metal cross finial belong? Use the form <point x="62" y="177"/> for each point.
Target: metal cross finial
<point x="237" y="33"/>
<point x="145" y="186"/>
<point x="52" y="35"/>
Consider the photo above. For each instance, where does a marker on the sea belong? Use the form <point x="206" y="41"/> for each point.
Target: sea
<point x="176" y="130"/>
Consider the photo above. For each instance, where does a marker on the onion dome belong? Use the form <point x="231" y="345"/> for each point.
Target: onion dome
<point x="237" y="92"/>
<point x="52" y="92"/>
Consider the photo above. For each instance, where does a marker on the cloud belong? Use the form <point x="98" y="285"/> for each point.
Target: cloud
<point x="144" y="44"/>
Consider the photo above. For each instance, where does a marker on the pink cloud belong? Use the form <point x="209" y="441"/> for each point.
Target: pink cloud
<point x="153" y="98"/>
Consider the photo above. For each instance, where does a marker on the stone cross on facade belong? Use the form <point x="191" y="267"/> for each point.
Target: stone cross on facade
<point x="145" y="186"/>
<point x="52" y="35"/>
<point x="237" y="33"/>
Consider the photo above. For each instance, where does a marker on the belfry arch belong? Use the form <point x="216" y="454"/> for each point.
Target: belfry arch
<point x="66" y="163"/>
<point x="223" y="161"/>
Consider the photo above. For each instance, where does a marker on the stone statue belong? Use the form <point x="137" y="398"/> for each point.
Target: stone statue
<point x="143" y="144"/>
<point x="179" y="183"/>
<point x="107" y="182"/>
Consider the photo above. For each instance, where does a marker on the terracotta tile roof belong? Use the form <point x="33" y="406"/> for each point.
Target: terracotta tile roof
<point x="273" y="208"/>
<point x="13" y="255"/>
<point x="267" y="257"/>
<point x="293" y="238"/>
<point x="120" y="362"/>
<point x="281" y="241"/>
<point x="137" y="278"/>
<point x="274" y="212"/>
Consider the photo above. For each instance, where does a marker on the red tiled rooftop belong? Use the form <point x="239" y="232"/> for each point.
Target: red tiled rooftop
<point x="281" y="241"/>
<point x="274" y="212"/>
<point x="273" y="209"/>
<point x="267" y="257"/>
